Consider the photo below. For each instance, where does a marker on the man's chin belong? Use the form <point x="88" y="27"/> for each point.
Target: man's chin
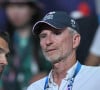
<point x="53" y="60"/>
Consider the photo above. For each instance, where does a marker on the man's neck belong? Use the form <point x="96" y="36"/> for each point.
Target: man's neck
<point x="60" y="69"/>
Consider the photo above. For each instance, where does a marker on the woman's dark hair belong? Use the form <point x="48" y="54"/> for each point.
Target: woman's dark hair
<point x="5" y="36"/>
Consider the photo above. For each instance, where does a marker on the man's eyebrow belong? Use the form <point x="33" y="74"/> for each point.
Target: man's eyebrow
<point x="42" y="34"/>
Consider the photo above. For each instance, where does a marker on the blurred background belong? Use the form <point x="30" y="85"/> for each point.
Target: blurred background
<point x="26" y="63"/>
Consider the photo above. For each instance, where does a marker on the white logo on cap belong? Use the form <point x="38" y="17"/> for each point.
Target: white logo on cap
<point x="49" y="15"/>
<point x="73" y="22"/>
<point x="52" y="12"/>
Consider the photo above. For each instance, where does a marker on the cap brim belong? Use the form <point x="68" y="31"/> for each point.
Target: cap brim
<point x="36" y="28"/>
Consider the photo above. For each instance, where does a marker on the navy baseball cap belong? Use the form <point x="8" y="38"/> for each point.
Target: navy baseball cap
<point x="57" y="20"/>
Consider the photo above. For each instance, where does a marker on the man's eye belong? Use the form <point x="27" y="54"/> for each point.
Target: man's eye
<point x="42" y="36"/>
<point x="57" y="33"/>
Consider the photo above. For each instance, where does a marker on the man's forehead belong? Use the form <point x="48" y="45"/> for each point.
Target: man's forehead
<point x="49" y="28"/>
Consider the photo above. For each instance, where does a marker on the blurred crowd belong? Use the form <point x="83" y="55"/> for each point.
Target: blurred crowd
<point x="26" y="63"/>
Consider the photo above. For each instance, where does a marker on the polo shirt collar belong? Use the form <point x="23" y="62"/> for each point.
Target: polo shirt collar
<point x="69" y="74"/>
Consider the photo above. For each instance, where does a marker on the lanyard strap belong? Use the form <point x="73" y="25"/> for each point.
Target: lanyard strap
<point x="77" y="69"/>
<point x="71" y="81"/>
<point x="69" y="87"/>
<point x="46" y="83"/>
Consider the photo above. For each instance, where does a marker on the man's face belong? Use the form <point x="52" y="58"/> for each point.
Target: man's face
<point x="4" y="50"/>
<point x="56" y="44"/>
<point x="19" y="14"/>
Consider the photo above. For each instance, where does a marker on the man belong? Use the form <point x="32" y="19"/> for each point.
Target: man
<point x="4" y="50"/>
<point x="59" y="39"/>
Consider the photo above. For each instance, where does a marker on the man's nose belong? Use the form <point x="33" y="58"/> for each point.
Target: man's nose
<point x="49" y="40"/>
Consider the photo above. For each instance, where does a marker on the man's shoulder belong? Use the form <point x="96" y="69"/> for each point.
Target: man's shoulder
<point x="87" y="78"/>
<point x="37" y="85"/>
<point x="86" y="73"/>
<point x="90" y="69"/>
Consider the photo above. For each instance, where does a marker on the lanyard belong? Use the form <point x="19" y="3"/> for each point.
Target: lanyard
<point x="69" y="87"/>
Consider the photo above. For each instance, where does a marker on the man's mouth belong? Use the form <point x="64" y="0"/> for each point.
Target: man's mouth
<point x="50" y="50"/>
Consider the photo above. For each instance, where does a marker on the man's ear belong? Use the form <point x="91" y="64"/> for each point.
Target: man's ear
<point x="76" y="40"/>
